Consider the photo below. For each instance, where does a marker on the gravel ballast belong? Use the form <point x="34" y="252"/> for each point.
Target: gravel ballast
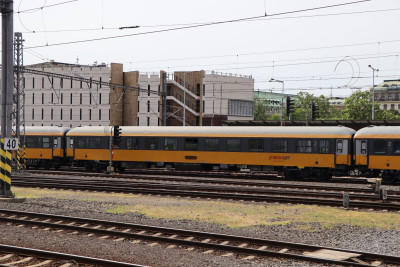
<point x="385" y="241"/>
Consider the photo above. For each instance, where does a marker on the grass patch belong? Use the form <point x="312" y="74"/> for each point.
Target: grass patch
<point x="302" y="217"/>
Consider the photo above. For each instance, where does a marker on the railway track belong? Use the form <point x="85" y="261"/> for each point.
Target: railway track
<point x="219" y="181"/>
<point x="20" y="256"/>
<point x="261" y="194"/>
<point x="243" y="247"/>
<point x="265" y="175"/>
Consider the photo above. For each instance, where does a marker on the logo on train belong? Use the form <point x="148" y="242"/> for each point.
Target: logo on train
<point x="279" y="157"/>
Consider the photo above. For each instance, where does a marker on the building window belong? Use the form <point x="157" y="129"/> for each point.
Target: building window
<point x="303" y="146"/>
<point x="72" y="83"/>
<point x="90" y="82"/>
<point x="61" y="114"/>
<point x="52" y="98"/>
<point x="100" y="82"/>
<point x="90" y="114"/>
<point x="99" y="114"/>
<point x="42" y="82"/>
<point x="33" y="82"/>
<point x="138" y="121"/>
<point x="81" y="84"/>
<point x="61" y="83"/>
<point x="33" y="98"/>
<point x="233" y="145"/>
<point x="62" y="98"/>
<point x="392" y="106"/>
<point x="389" y="97"/>
<point x="279" y="146"/>
<point x="385" y="106"/>
<point x="33" y="114"/>
<point x="158" y="106"/>
<point x="148" y="121"/>
<point x="90" y="98"/>
<point x="138" y="106"/>
<point x="170" y="143"/>
<point x="148" y="90"/>
<point x="80" y="114"/>
<point x="51" y="114"/>
<point x="70" y="99"/>
<point x="70" y="114"/>
<point x="398" y="106"/>
<point x="100" y="99"/>
<point x="256" y="145"/>
<point x="42" y="114"/>
<point x="42" y="98"/>
<point x="241" y="108"/>
<point x="80" y="99"/>
<point x="396" y="97"/>
<point x="148" y="106"/>
<point x="204" y="106"/>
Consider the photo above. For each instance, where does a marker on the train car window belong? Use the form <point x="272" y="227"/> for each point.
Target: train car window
<point x="131" y="143"/>
<point x="212" y="144"/>
<point x="233" y="145"/>
<point x="46" y="142"/>
<point x="191" y="144"/>
<point x="303" y="146"/>
<point x="71" y="142"/>
<point x="279" y="146"/>
<point x="170" y="143"/>
<point x="364" y="147"/>
<point x="339" y="146"/>
<point x="256" y="145"/>
<point x="380" y="146"/>
<point x="81" y="142"/>
<point x="33" y="142"/>
<point x="55" y="142"/>
<point x="324" y="146"/>
<point x="151" y="143"/>
<point x="94" y="143"/>
<point x="396" y="147"/>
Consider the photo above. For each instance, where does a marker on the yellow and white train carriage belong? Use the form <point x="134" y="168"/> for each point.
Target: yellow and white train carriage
<point x="45" y="146"/>
<point x="377" y="150"/>
<point x="297" y="151"/>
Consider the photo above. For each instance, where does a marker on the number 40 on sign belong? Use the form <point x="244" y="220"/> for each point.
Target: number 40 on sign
<point x="11" y="143"/>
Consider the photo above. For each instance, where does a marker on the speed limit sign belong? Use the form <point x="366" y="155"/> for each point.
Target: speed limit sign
<point x="10" y="143"/>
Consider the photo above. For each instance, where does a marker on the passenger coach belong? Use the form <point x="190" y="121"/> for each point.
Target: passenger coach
<point x="296" y="151"/>
<point x="45" y="146"/>
<point x="377" y="150"/>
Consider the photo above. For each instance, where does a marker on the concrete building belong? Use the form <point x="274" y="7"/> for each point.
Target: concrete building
<point x="274" y="100"/>
<point x="387" y="94"/>
<point x="209" y="98"/>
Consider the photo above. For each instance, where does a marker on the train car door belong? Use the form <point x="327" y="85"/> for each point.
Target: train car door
<point x="362" y="152"/>
<point x="342" y="152"/>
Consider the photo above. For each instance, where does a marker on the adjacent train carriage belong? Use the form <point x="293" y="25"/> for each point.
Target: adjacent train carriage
<point x="296" y="151"/>
<point x="45" y="146"/>
<point x="377" y="150"/>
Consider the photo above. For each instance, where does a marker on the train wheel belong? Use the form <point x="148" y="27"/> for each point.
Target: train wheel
<point x="389" y="177"/>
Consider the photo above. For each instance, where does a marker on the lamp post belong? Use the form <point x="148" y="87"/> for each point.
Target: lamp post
<point x="373" y="91"/>
<point x="283" y="89"/>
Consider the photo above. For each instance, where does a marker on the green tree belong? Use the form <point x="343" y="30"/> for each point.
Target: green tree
<point x="304" y="101"/>
<point x="261" y="106"/>
<point x="358" y="106"/>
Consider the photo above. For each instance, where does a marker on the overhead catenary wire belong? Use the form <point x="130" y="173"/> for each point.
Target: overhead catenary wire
<point x="199" y="25"/>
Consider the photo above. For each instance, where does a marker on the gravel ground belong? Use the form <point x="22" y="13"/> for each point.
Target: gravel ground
<point x="357" y="238"/>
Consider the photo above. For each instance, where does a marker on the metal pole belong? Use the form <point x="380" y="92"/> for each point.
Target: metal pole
<point x="373" y="91"/>
<point x="184" y="98"/>
<point x="283" y="90"/>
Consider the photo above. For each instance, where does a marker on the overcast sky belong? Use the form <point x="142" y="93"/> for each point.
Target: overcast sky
<point x="310" y="48"/>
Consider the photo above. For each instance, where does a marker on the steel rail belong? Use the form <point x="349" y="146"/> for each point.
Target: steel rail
<point x="179" y="236"/>
<point x="190" y="191"/>
<point x="63" y="256"/>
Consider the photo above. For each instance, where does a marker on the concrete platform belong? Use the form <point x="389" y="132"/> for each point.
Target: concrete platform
<point x="12" y="199"/>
